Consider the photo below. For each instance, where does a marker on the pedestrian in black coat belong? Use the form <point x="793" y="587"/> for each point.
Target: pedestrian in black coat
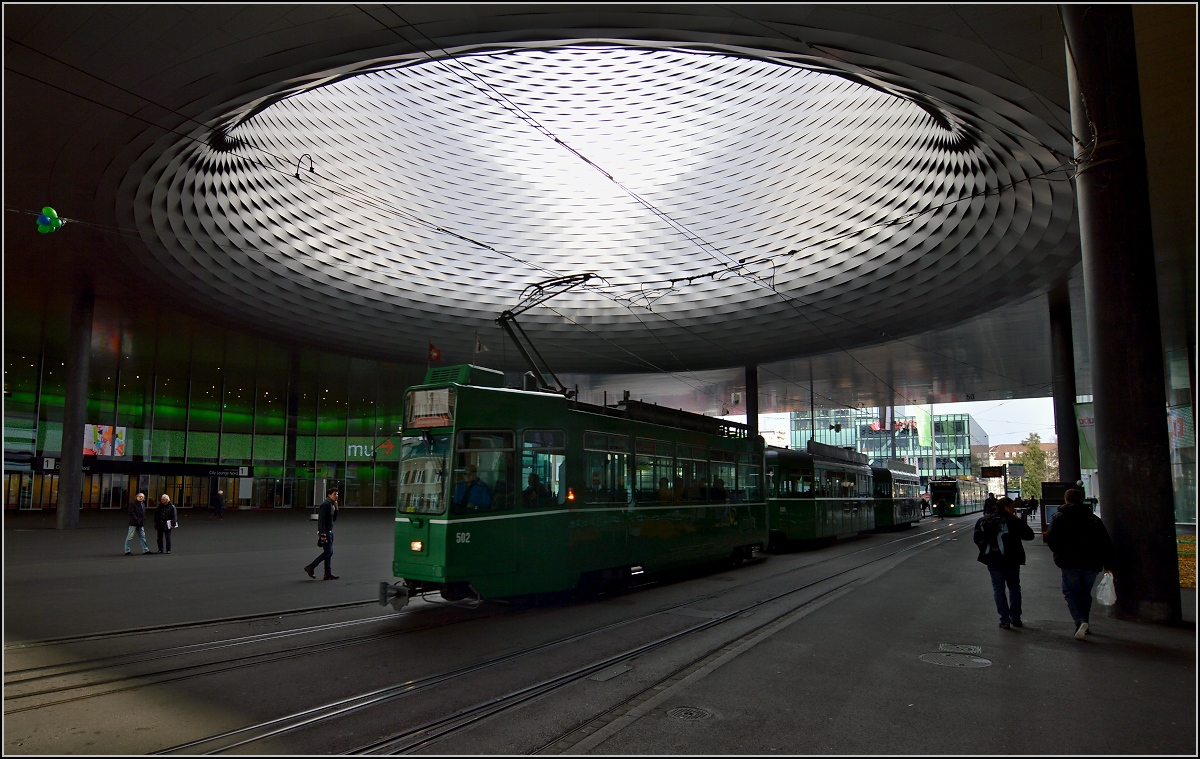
<point x="1082" y="550"/>
<point x="325" y="520"/>
<point x="166" y="519"/>
<point x="137" y="523"/>
<point x="217" y="503"/>
<point x="999" y="537"/>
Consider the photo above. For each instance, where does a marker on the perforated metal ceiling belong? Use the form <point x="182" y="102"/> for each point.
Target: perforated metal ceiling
<point x="740" y="208"/>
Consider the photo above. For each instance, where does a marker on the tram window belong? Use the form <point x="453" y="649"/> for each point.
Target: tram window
<point x="653" y="471"/>
<point x="484" y="473"/>
<point x="423" y="462"/>
<point x="691" y="480"/>
<point x="749" y="482"/>
<point x="724" y="481"/>
<point x="883" y="488"/>
<point x="606" y="468"/>
<point x="543" y="468"/>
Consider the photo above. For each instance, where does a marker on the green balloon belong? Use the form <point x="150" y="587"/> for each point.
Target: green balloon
<point x="45" y="228"/>
<point x="50" y="212"/>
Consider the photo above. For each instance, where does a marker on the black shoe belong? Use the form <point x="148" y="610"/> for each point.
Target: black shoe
<point x="168" y="551"/>
<point x="1017" y="623"/>
<point x="331" y="577"/>
<point x="127" y="553"/>
<point x="309" y="570"/>
<point x="1005" y="625"/>
<point x="160" y="551"/>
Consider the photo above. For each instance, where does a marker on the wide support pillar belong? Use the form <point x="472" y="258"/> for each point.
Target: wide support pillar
<point x="1062" y="366"/>
<point x="79" y="357"/>
<point x="752" y="398"/>
<point x="1121" y="293"/>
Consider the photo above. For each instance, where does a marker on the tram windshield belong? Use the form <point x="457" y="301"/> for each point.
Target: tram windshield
<point x="423" y="463"/>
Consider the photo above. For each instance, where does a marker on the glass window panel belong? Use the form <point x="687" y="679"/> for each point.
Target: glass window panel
<point x="606" y="478"/>
<point x="595" y="441"/>
<point x="235" y="448"/>
<point x="724" y="479"/>
<point x="484" y="473"/>
<point x="653" y="479"/>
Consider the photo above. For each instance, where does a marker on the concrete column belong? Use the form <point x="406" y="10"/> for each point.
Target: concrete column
<point x="1062" y="365"/>
<point x="752" y="398"/>
<point x="79" y="358"/>
<point x="1136" y="498"/>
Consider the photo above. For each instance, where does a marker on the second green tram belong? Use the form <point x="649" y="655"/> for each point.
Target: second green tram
<point x="508" y="492"/>
<point x="897" y="491"/>
<point x="954" y="497"/>
<point x="820" y="494"/>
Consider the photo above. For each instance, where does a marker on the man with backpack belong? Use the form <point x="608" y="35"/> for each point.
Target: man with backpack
<point x="1082" y="549"/>
<point x="999" y="537"/>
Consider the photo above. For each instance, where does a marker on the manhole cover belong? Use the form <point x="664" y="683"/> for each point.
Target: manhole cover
<point x="689" y="712"/>
<point x="948" y="659"/>
<point x="959" y="648"/>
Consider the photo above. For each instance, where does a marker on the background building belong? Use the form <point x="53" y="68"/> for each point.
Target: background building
<point x="960" y="444"/>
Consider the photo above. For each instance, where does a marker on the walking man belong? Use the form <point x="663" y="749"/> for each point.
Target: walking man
<point x="137" y="523"/>
<point x="325" y="522"/>
<point x="999" y="537"/>
<point x="1082" y="549"/>
<point x="217" y="503"/>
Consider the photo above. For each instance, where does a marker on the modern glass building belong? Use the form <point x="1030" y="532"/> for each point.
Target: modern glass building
<point x="960" y="445"/>
<point x="182" y="407"/>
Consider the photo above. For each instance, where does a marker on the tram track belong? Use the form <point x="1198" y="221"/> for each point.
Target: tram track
<point x="17" y="677"/>
<point x="442" y="727"/>
<point x="137" y="681"/>
<point x="176" y="626"/>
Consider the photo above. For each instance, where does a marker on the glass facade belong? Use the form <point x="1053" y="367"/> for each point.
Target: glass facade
<point x="960" y="444"/>
<point x="184" y="397"/>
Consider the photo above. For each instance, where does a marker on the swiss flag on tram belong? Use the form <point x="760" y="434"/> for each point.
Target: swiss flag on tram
<point x="434" y="353"/>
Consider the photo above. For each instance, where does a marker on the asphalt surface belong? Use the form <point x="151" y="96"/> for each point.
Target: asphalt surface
<point x="861" y="670"/>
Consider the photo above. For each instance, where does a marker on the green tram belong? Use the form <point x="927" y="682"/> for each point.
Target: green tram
<point x="897" y="491"/>
<point x="508" y="492"/>
<point x="954" y="497"/>
<point x="821" y="494"/>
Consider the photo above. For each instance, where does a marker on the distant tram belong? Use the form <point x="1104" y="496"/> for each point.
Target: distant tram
<point x="897" y="491"/>
<point x="956" y="496"/>
<point x="820" y="494"/>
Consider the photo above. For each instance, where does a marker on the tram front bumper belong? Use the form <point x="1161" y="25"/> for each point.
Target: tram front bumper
<point x="395" y="594"/>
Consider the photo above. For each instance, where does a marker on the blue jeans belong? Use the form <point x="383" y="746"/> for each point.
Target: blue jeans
<point x="1077" y="589"/>
<point x="326" y="555"/>
<point x="1009" y="608"/>
<point x="141" y="531"/>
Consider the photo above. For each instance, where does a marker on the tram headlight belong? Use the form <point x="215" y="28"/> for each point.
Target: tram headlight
<point x="570" y="494"/>
<point x="417" y="546"/>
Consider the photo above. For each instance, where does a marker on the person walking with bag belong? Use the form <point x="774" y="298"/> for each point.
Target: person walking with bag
<point x="166" y="519"/>
<point x="325" y="520"/>
<point x="137" y="523"/>
<point x="999" y="537"/>
<point x="1082" y="549"/>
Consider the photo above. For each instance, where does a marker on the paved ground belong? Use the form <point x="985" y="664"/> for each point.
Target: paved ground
<point x="844" y="677"/>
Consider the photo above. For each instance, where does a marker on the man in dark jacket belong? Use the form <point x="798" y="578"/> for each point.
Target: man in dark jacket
<point x="217" y="502"/>
<point x="999" y="537"/>
<point x="989" y="504"/>
<point x="1082" y="549"/>
<point x="137" y="523"/>
<point x="325" y="520"/>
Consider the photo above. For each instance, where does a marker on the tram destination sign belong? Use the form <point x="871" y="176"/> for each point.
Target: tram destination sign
<point x="109" y="466"/>
<point x="992" y="471"/>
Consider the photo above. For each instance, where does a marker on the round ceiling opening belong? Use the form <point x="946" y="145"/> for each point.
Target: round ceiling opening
<point x="735" y="208"/>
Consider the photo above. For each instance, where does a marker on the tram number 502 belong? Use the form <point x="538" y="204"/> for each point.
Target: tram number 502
<point x="462" y="537"/>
